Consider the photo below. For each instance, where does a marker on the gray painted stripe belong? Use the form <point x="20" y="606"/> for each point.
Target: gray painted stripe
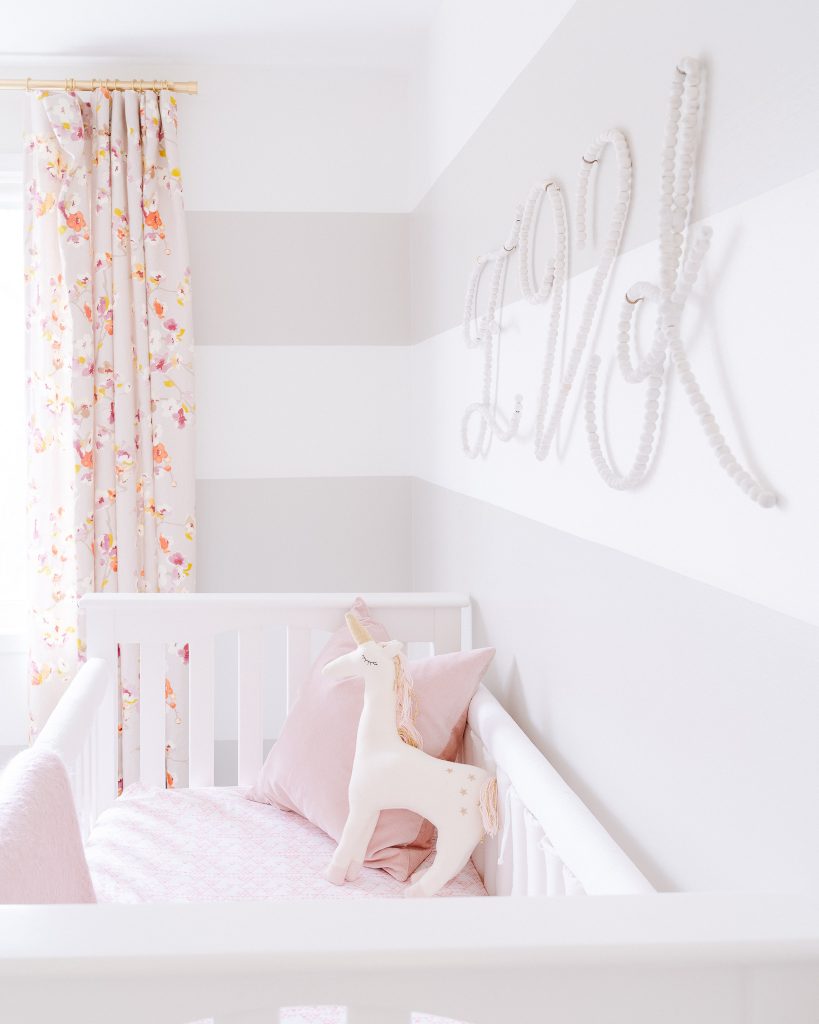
<point x="610" y="65"/>
<point x="300" y="278"/>
<point x="306" y="534"/>
<point x="669" y="705"/>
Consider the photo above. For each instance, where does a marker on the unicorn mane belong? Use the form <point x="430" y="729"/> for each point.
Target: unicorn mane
<point x="406" y="710"/>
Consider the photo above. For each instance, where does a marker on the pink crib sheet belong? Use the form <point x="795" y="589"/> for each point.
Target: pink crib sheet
<point x="198" y="845"/>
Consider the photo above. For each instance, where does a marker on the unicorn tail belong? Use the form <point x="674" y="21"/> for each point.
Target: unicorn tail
<point x="489" y="807"/>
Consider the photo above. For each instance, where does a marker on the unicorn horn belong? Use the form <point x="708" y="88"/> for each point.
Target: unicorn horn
<point x="359" y="633"/>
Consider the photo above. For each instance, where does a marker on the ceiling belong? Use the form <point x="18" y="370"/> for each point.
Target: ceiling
<point x="374" y="33"/>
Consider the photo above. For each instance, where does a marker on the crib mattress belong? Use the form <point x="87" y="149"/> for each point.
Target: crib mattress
<point x="200" y="845"/>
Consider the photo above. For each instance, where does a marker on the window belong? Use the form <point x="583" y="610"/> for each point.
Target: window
<point x="12" y="404"/>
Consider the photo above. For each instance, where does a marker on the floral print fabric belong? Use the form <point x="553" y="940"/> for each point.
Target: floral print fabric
<point x="110" y="383"/>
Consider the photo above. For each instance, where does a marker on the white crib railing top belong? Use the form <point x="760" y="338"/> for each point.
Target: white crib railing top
<point x="172" y="617"/>
<point x="285" y="603"/>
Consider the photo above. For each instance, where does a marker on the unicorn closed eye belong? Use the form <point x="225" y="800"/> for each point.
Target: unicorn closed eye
<point x="391" y="771"/>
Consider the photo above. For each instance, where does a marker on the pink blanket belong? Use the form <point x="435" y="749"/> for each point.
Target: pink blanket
<point x="41" y="854"/>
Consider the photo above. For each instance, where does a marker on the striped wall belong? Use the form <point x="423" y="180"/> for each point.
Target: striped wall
<point x="297" y="196"/>
<point x="662" y="646"/>
<point x="746" y="333"/>
<point x="609" y="65"/>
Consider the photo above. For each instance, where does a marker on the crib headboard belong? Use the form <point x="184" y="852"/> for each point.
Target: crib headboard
<point x="549" y="843"/>
<point x="143" y="625"/>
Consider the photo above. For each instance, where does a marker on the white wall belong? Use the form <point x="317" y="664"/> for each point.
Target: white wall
<point x="321" y="139"/>
<point x="473" y="51"/>
<point x="303" y="139"/>
<point x="746" y="334"/>
<point x="293" y="411"/>
<point x="684" y="716"/>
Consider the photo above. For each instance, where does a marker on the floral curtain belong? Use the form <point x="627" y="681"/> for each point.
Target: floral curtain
<point x="110" y="383"/>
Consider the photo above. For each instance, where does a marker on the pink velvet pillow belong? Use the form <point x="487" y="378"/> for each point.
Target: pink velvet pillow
<point x="308" y="770"/>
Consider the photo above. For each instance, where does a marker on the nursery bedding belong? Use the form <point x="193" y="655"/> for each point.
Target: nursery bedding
<point x="199" y="845"/>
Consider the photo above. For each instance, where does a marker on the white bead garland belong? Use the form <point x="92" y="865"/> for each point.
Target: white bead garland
<point x="678" y="272"/>
<point x="553" y="285"/>
<point x="531" y="209"/>
<point x="546" y="430"/>
<point x="487" y="328"/>
<point x="682" y="249"/>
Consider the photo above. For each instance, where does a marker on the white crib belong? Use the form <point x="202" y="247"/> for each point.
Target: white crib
<point x="623" y="953"/>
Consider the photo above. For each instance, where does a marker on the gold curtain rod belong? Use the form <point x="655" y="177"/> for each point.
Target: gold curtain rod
<point x="89" y="84"/>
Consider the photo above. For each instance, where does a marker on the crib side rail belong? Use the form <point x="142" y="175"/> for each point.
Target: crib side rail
<point x="545" y="826"/>
<point x="72" y="731"/>
<point x="706" y="957"/>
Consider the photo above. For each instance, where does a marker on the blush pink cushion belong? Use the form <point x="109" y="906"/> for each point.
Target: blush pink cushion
<point x="308" y="770"/>
<point x="41" y="854"/>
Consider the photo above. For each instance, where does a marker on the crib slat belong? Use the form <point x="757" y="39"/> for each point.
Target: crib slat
<point x="520" y="846"/>
<point x="100" y="634"/>
<point x="298" y="661"/>
<point x="201" y="712"/>
<point x="250" y="705"/>
<point x="152" y="715"/>
<point x="537" y="874"/>
<point x="446" y="630"/>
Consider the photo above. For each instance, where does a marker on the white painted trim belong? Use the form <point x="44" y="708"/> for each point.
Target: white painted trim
<point x="632" y="957"/>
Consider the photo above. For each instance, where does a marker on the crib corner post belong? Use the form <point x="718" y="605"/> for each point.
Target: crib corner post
<point x="100" y="637"/>
<point x="466" y="626"/>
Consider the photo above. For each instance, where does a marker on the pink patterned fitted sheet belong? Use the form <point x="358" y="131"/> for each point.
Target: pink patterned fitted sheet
<point x="201" y="845"/>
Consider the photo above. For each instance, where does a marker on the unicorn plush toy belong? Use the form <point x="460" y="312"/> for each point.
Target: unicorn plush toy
<point x="391" y="771"/>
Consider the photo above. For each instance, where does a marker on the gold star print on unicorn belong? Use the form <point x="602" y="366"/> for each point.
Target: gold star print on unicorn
<point x="390" y="770"/>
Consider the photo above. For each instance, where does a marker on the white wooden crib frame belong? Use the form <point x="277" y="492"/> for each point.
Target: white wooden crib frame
<point x="632" y="955"/>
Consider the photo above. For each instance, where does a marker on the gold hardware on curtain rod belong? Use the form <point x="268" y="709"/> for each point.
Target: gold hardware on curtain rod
<point x="89" y="84"/>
